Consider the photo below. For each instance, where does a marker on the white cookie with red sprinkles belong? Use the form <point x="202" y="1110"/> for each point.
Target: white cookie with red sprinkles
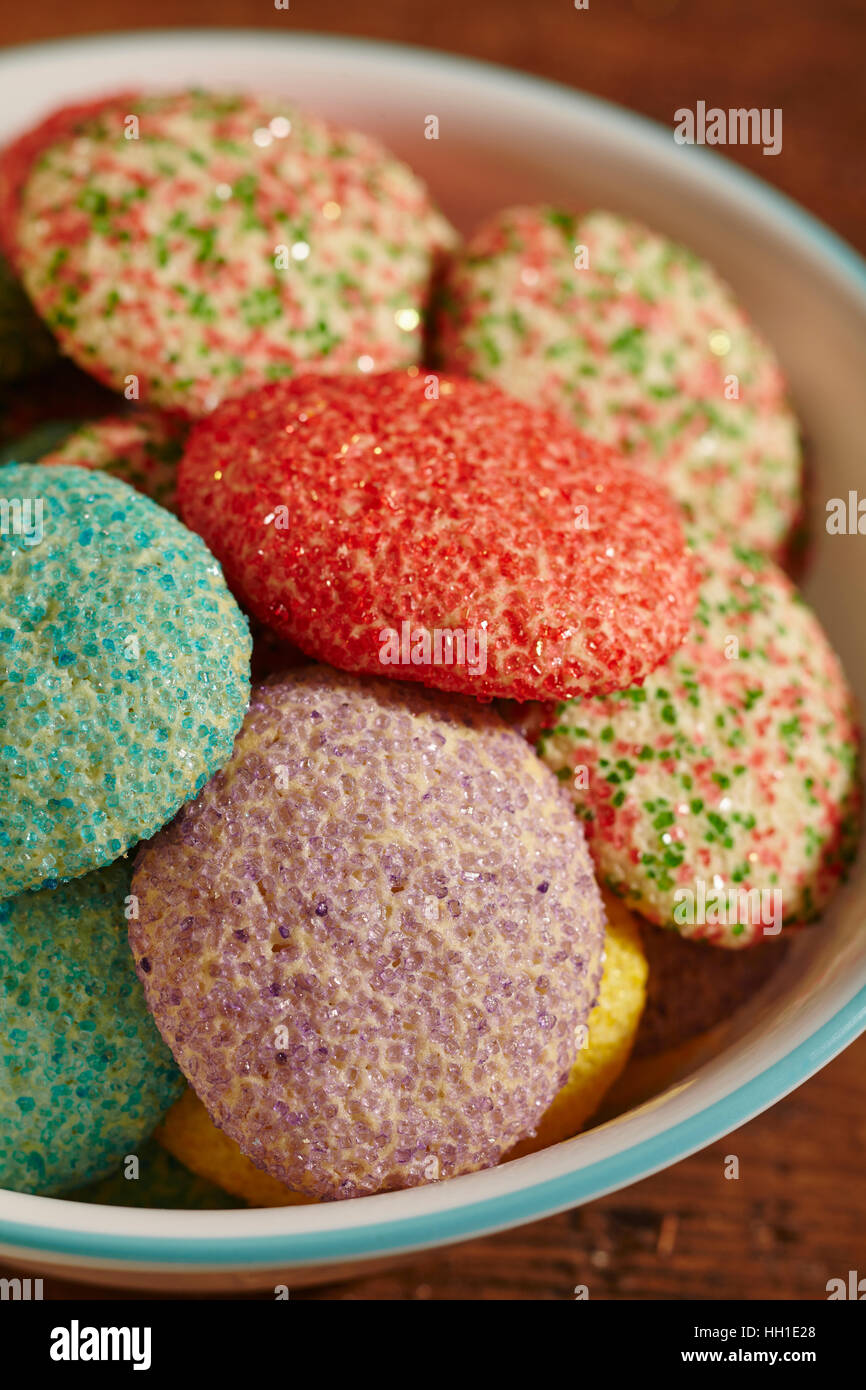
<point x="203" y="243"/>
<point x="733" y="768"/>
<point x="640" y="343"/>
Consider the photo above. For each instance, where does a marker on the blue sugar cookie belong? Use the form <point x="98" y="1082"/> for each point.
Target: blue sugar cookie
<point x="124" y="671"/>
<point x="84" y="1073"/>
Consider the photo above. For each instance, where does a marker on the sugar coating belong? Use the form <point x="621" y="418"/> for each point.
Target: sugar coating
<point x="84" y="1074"/>
<point x="142" y="447"/>
<point x="189" y="1133"/>
<point x="343" y="509"/>
<point x="235" y="240"/>
<point x="735" y="763"/>
<point x="26" y="346"/>
<point x="124" y="673"/>
<point x="642" y="345"/>
<point x="393" y="878"/>
<point x="606" y="1042"/>
<point x="18" y="157"/>
<point x="692" y="986"/>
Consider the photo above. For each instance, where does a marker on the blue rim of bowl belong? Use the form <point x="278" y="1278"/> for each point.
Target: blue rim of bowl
<point x="475" y="1218"/>
<point x="539" y="1199"/>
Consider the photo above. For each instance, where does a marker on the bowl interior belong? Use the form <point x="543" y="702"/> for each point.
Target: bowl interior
<point x="505" y="139"/>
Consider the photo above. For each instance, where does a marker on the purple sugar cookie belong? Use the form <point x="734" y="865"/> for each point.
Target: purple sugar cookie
<point x="370" y="940"/>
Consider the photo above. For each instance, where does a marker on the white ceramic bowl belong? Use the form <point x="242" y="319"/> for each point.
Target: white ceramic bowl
<point x="506" y="138"/>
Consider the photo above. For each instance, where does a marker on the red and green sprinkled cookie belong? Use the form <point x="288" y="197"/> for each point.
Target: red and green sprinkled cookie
<point x="436" y="530"/>
<point x="142" y="447"/>
<point x="641" y="344"/>
<point x="733" y="768"/>
<point x="189" y="246"/>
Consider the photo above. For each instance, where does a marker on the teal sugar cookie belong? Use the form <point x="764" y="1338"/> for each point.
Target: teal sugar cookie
<point x="84" y="1073"/>
<point x="26" y="346"/>
<point x="161" y="1182"/>
<point x="124" y="671"/>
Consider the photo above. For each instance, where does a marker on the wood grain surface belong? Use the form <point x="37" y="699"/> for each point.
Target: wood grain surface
<point x="796" y="1216"/>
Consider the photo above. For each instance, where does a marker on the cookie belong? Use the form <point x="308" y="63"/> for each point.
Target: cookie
<point x="142" y="447"/>
<point x="189" y="1133"/>
<point x="186" y="246"/>
<point x="437" y="530"/>
<point x="18" y="157"/>
<point x="124" y="670"/>
<point x="721" y="796"/>
<point x="371" y="939"/>
<point x="606" y="1041"/>
<point x="640" y="343"/>
<point x="84" y="1074"/>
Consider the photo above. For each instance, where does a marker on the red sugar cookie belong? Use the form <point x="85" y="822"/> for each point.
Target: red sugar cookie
<point x="434" y="529"/>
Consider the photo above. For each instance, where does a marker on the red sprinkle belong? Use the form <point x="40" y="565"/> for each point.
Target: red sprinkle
<point x="19" y="156"/>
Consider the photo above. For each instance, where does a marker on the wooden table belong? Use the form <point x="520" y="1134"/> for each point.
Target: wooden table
<point x="797" y="1215"/>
